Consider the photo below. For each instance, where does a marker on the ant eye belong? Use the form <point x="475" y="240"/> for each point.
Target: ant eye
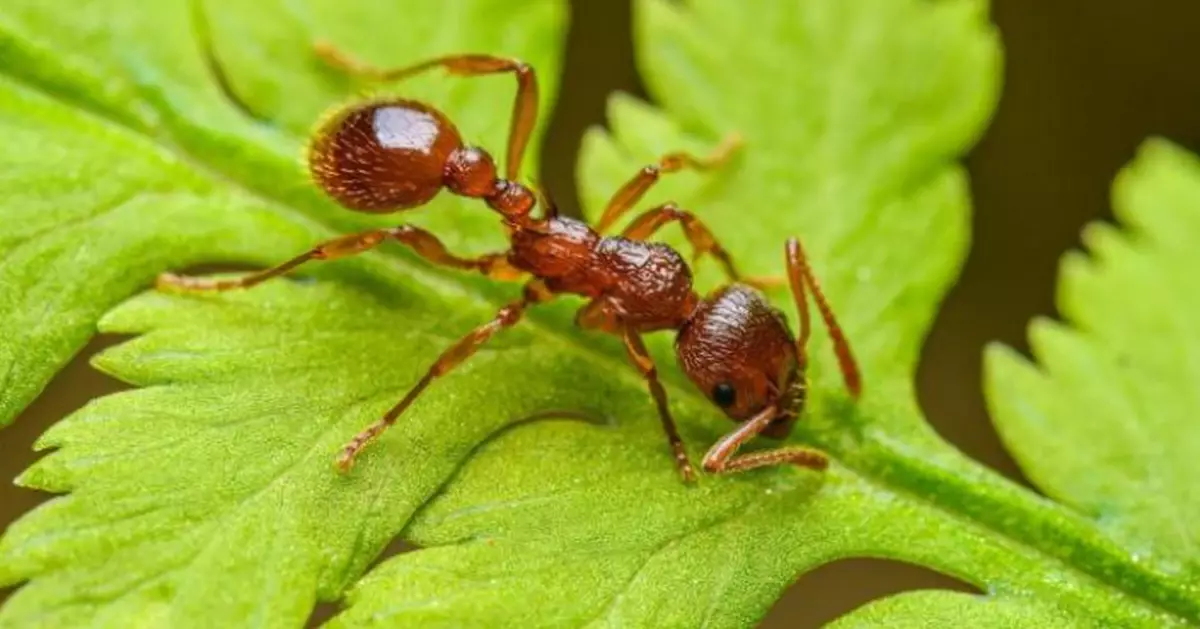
<point x="724" y="395"/>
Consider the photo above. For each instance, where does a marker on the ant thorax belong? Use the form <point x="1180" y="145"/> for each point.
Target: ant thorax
<point x="648" y="282"/>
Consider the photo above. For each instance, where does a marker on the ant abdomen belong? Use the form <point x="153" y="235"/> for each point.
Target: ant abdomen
<point x="392" y="155"/>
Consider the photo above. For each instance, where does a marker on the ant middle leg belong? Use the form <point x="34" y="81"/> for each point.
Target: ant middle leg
<point x="525" y="106"/>
<point x="629" y="194"/>
<point x="425" y="244"/>
<point x="722" y="458"/>
<point x="698" y="235"/>
<point x="507" y="317"/>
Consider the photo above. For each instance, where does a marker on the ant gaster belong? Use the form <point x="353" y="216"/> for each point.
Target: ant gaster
<point x="392" y="154"/>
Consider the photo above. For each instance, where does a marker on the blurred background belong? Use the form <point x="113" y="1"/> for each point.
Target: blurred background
<point x="1086" y="81"/>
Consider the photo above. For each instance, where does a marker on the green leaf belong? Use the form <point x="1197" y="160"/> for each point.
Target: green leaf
<point x="932" y="608"/>
<point x="1103" y="421"/>
<point x="207" y="497"/>
<point x="123" y="156"/>
<point x="858" y="159"/>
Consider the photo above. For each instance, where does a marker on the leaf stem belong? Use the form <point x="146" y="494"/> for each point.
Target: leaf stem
<point x="938" y="475"/>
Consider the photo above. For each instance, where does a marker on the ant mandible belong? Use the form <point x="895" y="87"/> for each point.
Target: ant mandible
<point x="388" y="155"/>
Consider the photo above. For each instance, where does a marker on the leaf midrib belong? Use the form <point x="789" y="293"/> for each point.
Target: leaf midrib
<point x="164" y="141"/>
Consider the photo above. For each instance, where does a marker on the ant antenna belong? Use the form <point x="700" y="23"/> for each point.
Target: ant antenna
<point x="800" y="276"/>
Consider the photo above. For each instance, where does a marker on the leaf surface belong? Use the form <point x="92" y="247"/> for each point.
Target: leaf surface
<point x="932" y="608"/>
<point x="855" y="155"/>
<point x="1103" y="420"/>
<point x="145" y="137"/>
<point x="207" y="496"/>
<point x="207" y="103"/>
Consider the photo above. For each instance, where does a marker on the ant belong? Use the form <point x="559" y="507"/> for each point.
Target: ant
<point x="392" y="154"/>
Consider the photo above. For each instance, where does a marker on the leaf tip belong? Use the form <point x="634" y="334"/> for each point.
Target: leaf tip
<point x="47" y="474"/>
<point x="996" y="355"/>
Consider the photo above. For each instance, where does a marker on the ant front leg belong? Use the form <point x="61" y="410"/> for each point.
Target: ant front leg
<point x="510" y="315"/>
<point x="722" y="457"/>
<point x="645" y="364"/>
<point x="633" y="190"/>
<point x="425" y="244"/>
<point x="525" y="107"/>
<point x="698" y="235"/>
<point x="601" y="314"/>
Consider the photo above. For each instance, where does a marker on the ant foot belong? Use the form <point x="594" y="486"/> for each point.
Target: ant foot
<point x="328" y="53"/>
<point x="167" y="281"/>
<point x="686" y="471"/>
<point x="345" y="460"/>
<point x="335" y="58"/>
<point x="688" y="474"/>
<point x="172" y="283"/>
<point x="730" y="144"/>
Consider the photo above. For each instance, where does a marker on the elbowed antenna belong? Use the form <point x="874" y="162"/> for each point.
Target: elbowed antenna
<point x="800" y="275"/>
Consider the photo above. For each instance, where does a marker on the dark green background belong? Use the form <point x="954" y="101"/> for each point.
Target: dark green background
<point x="1085" y="82"/>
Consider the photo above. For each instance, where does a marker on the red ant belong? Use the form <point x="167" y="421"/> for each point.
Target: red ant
<point x="393" y="154"/>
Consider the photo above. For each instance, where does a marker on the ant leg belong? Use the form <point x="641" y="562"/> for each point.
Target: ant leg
<point x="645" y="364"/>
<point x="800" y="276"/>
<point x="603" y="314"/>
<point x="599" y="314"/>
<point x="633" y="190"/>
<point x="698" y="234"/>
<point x="525" y="107"/>
<point x="425" y="244"/>
<point x="722" y="459"/>
<point x="508" y="316"/>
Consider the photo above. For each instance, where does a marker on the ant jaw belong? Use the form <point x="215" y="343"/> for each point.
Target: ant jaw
<point x="795" y="395"/>
<point x="789" y="407"/>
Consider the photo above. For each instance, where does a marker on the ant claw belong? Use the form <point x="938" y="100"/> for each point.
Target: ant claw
<point x="335" y="59"/>
<point x="688" y="474"/>
<point x="329" y="53"/>
<point x="344" y="463"/>
<point x="685" y="466"/>
<point x="734" y="141"/>
<point x="166" y="281"/>
<point x="179" y="284"/>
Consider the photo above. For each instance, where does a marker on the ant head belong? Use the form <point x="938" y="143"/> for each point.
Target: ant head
<point x="740" y="352"/>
